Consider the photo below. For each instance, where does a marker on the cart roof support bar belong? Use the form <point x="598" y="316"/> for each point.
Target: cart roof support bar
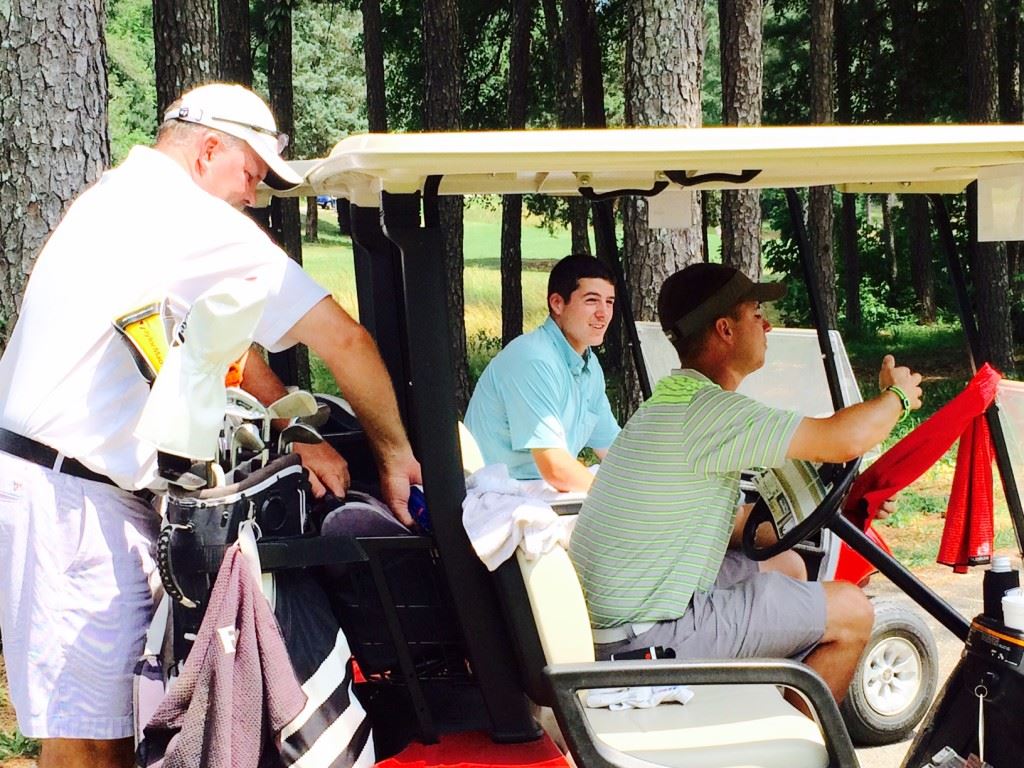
<point x="432" y="423"/>
<point x="796" y="213"/>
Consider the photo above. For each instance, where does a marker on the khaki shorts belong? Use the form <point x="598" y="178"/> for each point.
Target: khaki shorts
<point x="746" y="614"/>
<point x="75" y="600"/>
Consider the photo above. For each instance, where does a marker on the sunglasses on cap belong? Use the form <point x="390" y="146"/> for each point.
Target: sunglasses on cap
<point x="185" y="115"/>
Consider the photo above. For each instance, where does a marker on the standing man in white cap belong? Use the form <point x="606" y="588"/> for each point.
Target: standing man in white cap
<point x="76" y="568"/>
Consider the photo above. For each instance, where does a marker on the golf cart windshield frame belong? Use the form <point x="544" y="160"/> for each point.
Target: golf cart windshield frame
<point x="392" y="183"/>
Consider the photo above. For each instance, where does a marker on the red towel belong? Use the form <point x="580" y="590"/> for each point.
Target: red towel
<point x="968" y="536"/>
<point x="920" y="449"/>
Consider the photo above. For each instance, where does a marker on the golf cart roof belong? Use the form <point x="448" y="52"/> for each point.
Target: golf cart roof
<point x="905" y="158"/>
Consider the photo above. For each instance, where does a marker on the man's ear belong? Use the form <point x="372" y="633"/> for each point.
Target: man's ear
<point x="723" y="328"/>
<point x="209" y="145"/>
<point x="556" y="304"/>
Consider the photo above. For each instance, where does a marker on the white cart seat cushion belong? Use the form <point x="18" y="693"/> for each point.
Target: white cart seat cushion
<point x="723" y="726"/>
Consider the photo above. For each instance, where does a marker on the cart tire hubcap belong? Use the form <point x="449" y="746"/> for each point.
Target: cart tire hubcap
<point x="892" y="676"/>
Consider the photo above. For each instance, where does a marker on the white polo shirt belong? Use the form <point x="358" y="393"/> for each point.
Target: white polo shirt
<point x="144" y="232"/>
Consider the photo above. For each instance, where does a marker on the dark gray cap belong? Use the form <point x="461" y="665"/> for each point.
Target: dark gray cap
<point x="700" y="293"/>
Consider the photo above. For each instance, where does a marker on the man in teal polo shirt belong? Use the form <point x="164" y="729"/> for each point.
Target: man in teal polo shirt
<point x="542" y="399"/>
<point x="650" y="545"/>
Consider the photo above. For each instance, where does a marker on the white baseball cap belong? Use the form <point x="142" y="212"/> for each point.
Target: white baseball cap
<point x="237" y="111"/>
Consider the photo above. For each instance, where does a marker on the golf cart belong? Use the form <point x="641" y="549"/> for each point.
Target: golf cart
<point x="455" y="664"/>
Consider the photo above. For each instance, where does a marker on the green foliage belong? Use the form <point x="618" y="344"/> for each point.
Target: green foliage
<point x="14" y="745"/>
<point x="131" y="75"/>
<point x="481" y="348"/>
<point x="328" y="79"/>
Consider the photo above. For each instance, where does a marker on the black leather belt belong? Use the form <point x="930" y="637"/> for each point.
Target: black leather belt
<point x="45" y="456"/>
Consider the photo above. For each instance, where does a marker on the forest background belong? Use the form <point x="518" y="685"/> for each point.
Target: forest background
<point x="335" y="68"/>
<point x="82" y="81"/>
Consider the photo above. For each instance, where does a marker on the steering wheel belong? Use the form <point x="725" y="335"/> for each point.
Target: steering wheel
<point x="822" y="515"/>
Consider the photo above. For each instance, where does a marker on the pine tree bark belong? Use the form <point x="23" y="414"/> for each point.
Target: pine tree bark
<point x="820" y="211"/>
<point x="285" y="224"/>
<point x="442" y="101"/>
<point x="512" y="205"/>
<point x="234" y="41"/>
<point x="664" y="66"/>
<point x="848" y="210"/>
<point x="989" y="267"/>
<point x="742" y="76"/>
<point x="54" y="140"/>
<point x="906" y="36"/>
<point x="312" y="220"/>
<point x="591" y="68"/>
<point x="185" y="43"/>
<point x="889" y="240"/>
<point x="373" y="58"/>
<point x="1011" y="108"/>
<point x="922" y="273"/>
<point x="562" y="24"/>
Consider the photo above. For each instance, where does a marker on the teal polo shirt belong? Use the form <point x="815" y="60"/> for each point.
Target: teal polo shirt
<point x="539" y="392"/>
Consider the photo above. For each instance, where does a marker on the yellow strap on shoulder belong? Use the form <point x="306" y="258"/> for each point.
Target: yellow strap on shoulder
<point x="143" y="331"/>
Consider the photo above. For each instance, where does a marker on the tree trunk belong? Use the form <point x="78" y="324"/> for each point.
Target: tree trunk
<point x="820" y="212"/>
<point x="851" y="259"/>
<point x="848" y="231"/>
<point x="664" y="62"/>
<point x="592" y="69"/>
<point x="512" y="205"/>
<point x="989" y="268"/>
<point x="442" y="112"/>
<point x="572" y="92"/>
<point x="285" y="224"/>
<point x="312" y="220"/>
<point x="1009" y="42"/>
<point x="1011" y="37"/>
<point x="53" y="130"/>
<point x="373" y="57"/>
<point x="185" y="43"/>
<point x="889" y="241"/>
<point x="922" y="274"/>
<point x="234" y="41"/>
<point x="742" y="75"/>
<point x="562" y="23"/>
<point x="906" y="35"/>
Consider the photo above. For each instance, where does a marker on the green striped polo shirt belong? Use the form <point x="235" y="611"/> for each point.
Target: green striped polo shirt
<point x="657" y="520"/>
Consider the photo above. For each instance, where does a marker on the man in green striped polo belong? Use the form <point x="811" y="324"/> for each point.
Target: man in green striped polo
<point x="651" y="543"/>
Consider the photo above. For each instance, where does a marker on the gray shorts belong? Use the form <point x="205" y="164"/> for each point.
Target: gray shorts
<point x="746" y="614"/>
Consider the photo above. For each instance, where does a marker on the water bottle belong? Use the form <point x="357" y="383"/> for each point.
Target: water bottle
<point x="999" y="578"/>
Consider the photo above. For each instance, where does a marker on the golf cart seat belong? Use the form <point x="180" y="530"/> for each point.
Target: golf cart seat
<point x="736" y="718"/>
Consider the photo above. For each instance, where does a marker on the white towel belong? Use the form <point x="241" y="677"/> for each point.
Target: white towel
<point x="637" y="697"/>
<point x="500" y="513"/>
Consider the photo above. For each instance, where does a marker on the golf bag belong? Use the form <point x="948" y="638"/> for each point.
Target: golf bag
<point x="201" y="524"/>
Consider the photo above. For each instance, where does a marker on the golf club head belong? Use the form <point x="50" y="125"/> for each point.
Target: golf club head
<point x="247" y="437"/>
<point x="318" y="419"/>
<point x="297" y="432"/>
<point x="239" y="401"/>
<point x="297" y="404"/>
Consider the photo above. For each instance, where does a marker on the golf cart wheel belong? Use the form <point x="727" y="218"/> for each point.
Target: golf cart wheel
<point x="895" y="681"/>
